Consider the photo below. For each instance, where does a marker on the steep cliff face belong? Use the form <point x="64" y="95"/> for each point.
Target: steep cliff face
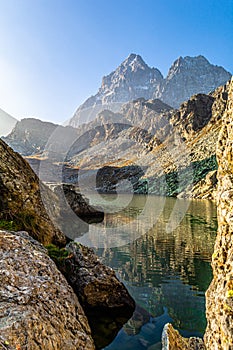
<point x="39" y="310"/>
<point x="20" y="200"/>
<point x="219" y="297"/>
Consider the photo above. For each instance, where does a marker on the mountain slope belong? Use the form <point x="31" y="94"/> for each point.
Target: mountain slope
<point x="172" y="151"/>
<point x="7" y="122"/>
<point x="30" y="136"/>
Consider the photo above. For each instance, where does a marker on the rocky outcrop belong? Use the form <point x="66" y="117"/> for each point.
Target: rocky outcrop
<point x="21" y="201"/>
<point x="77" y="202"/>
<point x="188" y="76"/>
<point x="38" y="309"/>
<point x="219" y="305"/>
<point x="95" y="283"/>
<point x="103" y="297"/>
<point x="172" y="340"/>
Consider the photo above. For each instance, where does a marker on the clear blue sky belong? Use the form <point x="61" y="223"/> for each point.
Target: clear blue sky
<point x="53" y="53"/>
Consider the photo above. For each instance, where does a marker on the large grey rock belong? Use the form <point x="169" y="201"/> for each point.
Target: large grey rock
<point x="95" y="283"/>
<point x="104" y="298"/>
<point x="38" y="309"/>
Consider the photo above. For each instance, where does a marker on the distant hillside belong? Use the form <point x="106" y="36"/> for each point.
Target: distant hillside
<point x="7" y="123"/>
<point x="30" y="136"/>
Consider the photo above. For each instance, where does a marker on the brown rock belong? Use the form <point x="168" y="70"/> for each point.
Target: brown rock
<point x="21" y="201"/>
<point x="105" y="299"/>
<point x="95" y="283"/>
<point x="172" y="340"/>
<point x="219" y="297"/>
<point x="38" y="309"/>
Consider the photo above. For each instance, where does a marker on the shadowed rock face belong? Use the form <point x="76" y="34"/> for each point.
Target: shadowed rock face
<point x="219" y="297"/>
<point x="21" y="201"/>
<point x="104" y="298"/>
<point x="38" y="309"/>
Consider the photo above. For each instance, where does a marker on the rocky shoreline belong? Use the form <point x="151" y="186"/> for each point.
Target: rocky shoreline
<point x="50" y="291"/>
<point x="43" y="308"/>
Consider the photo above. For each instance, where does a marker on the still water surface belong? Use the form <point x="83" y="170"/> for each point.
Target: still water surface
<point x="166" y="271"/>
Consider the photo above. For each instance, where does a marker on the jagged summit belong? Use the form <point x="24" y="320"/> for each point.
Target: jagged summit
<point x="134" y="62"/>
<point x="134" y="79"/>
<point x="189" y="63"/>
<point x="188" y="76"/>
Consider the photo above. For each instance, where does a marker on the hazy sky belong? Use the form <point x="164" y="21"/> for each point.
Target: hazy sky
<point x="53" y="53"/>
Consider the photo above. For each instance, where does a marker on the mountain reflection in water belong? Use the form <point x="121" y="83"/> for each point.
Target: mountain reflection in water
<point x="167" y="273"/>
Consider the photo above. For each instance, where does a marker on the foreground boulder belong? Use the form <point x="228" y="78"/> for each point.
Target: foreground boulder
<point x="21" y="202"/>
<point x="103" y="297"/>
<point x="38" y="309"/>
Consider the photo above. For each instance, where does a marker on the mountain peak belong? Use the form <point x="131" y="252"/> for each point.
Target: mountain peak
<point x="189" y="76"/>
<point x="134" y="79"/>
<point x="133" y="63"/>
<point x="188" y="62"/>
<point x="134" y="57"/>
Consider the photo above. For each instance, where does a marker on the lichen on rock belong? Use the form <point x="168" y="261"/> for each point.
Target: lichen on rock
<point x="219" y="304"/>
<point x="38" y="309"/>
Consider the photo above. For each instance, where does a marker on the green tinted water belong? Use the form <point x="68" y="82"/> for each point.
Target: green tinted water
<point x="167" y="273"/>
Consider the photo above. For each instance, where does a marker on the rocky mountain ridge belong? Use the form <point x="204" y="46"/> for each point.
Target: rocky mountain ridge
<point x="171" y="151"/>
<point x="134" y="79"/>
<point x="30" y="136"/>
<point x="147" y="143"/>
<point x="188" y="76"/>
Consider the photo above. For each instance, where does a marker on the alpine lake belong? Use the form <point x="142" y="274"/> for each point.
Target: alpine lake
<point x="161" y="249"/>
